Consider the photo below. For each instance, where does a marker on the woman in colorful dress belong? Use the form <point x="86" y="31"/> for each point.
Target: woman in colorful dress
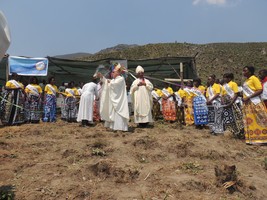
<point x="168" y="104"/>
<point x="12" y="103"/>
<point x="188" y="111"/>
<point x="214" y="106"/>
<point x="179" y="98"/>
<point x="254" y="111"/>
<point x="199" y="104"/>
<point x="33" y="101"/>
<point x="70" y="108"/>
<point x="232" y="113"/>
<point x="50" y="101"/>
<point x="263" y="77"/>
<point x="157" y="100"/>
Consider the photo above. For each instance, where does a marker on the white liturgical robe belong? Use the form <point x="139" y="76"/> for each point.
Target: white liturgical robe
<point x="142" y="101"/>
<point x="114" y="105"/>
<point x="85" y="112"/>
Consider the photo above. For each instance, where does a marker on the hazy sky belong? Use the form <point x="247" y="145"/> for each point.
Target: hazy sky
<point x="54" y="27"/>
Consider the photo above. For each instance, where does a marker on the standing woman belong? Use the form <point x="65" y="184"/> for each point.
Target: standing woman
<point x="180" y="95"/>
<point x="263" y="77"/>
<point x="33" y="93"/>
<point x="199" y="104"/>
<point x="12" y="104"/>
<point x="70" y="103"/>
<point x="50" y="101"/>
<point x="255" y="114"/>
<point x="214" y="106"/>
<point x="189" y="96"/>
<point x="157" y="98"/>
<point x="232" y="114"/>
<point x="168" y="104"/>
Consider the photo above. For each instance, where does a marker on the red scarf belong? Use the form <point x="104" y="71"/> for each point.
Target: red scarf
<point x="264" y="80"/>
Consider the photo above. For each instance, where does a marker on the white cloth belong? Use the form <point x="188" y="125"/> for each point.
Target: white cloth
<point x="113" y="104"/>
<point x="33" y="89"/>
<point x="264" y="92"/>
<point x="15" y="83"/>
<point x="248" y="92"/>
<point x="85" y="112"/>
<point x="167" y="94"/>
<point x="178" y="98"/>
<point x="119" y="123"/>
<point x="142" y="101"/>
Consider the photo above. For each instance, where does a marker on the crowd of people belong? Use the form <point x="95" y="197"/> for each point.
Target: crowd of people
<point x="220" y="105"/>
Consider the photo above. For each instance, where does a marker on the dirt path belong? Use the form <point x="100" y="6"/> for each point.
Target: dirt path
<point x="65" y="161"/>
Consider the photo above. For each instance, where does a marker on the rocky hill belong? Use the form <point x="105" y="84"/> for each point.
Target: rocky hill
<point x="217" y="58"/>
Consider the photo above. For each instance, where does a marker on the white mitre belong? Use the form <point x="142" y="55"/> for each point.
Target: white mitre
<point x="139" y="69"/>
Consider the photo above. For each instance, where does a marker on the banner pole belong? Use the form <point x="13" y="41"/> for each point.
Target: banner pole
<point x="7" y="68"/>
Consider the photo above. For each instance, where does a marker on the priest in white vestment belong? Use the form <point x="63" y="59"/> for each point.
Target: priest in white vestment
<point x="113" y="102"/>
<point x="85" y="113"/>
<point x="141" y="98"/>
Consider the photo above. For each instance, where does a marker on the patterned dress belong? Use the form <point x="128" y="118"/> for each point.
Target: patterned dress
<point x="168" y="105"/>
<point x="33" y="103"/>
<point x="12" y="104"/>
<point x="232" y="116"/>
<point x="255" y="114"/>
<point x="50" y="103"/>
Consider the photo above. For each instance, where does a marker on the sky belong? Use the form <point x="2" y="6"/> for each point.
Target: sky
<point x="42" y="28"/>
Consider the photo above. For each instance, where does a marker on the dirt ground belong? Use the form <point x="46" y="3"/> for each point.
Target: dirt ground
<point x="64" y="161"/>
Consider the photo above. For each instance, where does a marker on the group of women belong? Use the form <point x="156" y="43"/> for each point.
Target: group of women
<point x="31" y="103"/>
<point x="221" y="105"/>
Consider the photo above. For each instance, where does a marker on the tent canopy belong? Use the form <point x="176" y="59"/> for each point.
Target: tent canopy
<point x="65" y="70"/>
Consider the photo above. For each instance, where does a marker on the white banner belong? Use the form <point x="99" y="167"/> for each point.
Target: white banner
<point x="28" y="66"/>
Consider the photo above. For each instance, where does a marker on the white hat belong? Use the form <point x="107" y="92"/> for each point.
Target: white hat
<point x="139" y="69"/>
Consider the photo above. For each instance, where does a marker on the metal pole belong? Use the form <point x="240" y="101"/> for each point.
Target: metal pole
<point x="182" y="74"/>
<point x="7" y="69"/>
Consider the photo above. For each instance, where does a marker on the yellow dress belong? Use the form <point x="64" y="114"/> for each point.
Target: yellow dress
<point x="38" y="87"/>
<point x="10" y="85"/>
<point x="48" y="90"/>
<point x="254" y="115"/>
<point x="189" y="112"/>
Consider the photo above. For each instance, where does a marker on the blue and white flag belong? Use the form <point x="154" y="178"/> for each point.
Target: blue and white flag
<point x="28" y="66"/>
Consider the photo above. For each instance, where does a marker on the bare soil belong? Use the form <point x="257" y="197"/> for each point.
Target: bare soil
<point x="164" y="161"/>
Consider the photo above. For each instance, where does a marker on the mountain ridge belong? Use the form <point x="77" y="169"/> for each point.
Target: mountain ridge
<point x="217" y="58"/>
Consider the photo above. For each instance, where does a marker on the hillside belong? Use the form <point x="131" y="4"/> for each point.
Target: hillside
<point x="215" y="58"/>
